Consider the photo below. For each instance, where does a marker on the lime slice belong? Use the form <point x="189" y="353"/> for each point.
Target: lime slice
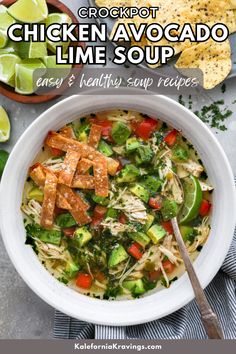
<point x="192" y="199"/>
<point x="7" y="68"/>
<point x="5" y="126"/>
<point x="29" y="11"/>
<point x="26" y="75"/>
<point x="57" y="18"/>
<point x="37" y="49"/>
<point x="3" y="160"/>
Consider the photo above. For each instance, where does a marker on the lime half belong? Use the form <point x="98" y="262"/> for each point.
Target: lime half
<point x="57" y="18"/>
<point x="192" y="199"/>
<point x="26" y="75"/>
<point x="7" y="68"/>
<point x="5" y="126"/>
<point x="29" y="11"/>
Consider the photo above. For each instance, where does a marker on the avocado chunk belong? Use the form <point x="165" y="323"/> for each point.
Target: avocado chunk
<point x="100" y="200"/>
<point x="141" y="192"/>
<point x="65" y="220"/>
<point x="82" y="236"/>
<point x="71" y="269"/>
<point x="120" y="132"/>
<point x="128" y="174"/>
<point x="82" y="132"/>
<point x="152" y="183"/>
<point x="112" y="213"/>
<point x="144" y="154"/>
<point x="150" y="219"/>
<point x="169" y="209"/>
<point x="188" y="233"/>
<point x="180" y="154"/>
<point x="105" y="149"/>
<point x="140" y="237"/>
<point x="136" y="287"/>
<point x="156" y="233"/>
<point x="117" y="256"/>
<point x="36" y="194"/>
<point x="132" y="144"/>
<point x="47" y="236"/>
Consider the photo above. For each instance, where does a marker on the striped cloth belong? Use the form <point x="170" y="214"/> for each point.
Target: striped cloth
<point x="182" y="324"/>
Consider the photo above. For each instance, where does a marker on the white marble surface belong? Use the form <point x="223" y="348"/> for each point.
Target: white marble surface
<point x="22" y="313"/>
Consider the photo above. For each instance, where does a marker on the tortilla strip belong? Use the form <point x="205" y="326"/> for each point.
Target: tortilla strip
<point x="101" y="178"/>
<point x="38" y="174"/>
<point x="69" y="167"/>
<point x="94" y="135"/>
<point x="78" y="206"/>
<point x="62" y="203"/>
<point x="83" y="182"/>
<point x="74" y="199"/>
<point x="67" y="132"/>
<point x="57" y="141"/>
<point x="83" y="166"/>
<point x="49" y="201"/>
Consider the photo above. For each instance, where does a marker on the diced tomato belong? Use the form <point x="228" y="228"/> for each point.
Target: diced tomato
<point x="98" y="214"/>
<point x="154" y="275"/>
<point x="69" y="231"/>
<point x="145" y="128"/>
<point x="84" y="281"/>
<point x="155" y="203"/>
<point x="171" y="137"/>
<point x="168" y="266"/>
<point x="205" y="207"/>
<point x="100" y="276"/>
<point x="122" y="219"/>
<point x="106" y="127"/>
<point x="168" y="227"/>
<point x="135" y="250"/>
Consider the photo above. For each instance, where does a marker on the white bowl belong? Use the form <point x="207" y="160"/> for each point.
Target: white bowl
<point x="152" y="306"/>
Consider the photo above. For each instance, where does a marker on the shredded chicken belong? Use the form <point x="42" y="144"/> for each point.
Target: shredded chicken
<point x="131" y="205"/>
<point x="33" y="210"/>
<point x="115" y="227"/>
<point x="54" y="164"/>
<point x="192" y="167"/>
<point x="205" y="186"/>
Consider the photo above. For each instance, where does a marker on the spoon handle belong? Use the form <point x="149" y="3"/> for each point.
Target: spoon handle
<point x="209" y="318"/>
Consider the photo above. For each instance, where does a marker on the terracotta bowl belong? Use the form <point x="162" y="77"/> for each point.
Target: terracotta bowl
<point x="53" y="6"/>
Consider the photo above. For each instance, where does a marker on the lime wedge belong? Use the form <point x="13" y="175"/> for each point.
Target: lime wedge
<point x="5" y="19"/>
<point x="3" y="38"/>
<point x="26" y="75"/>
<point x="10" y="48"/>
<point x="3" y="160"/>
<point x="37" y="49"/>
<point x="5" y="125"/>
<point x="29" y="11"/>
<point x="57" y="18"/>
<point x="192" y="199"/>
<point x="7" y="68"/>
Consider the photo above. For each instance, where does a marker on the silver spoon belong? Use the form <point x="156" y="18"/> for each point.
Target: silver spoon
<point x="209" y="318"/>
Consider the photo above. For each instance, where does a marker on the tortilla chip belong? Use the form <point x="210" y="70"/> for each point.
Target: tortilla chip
<point x="58" y="141"/>
<point x="94" y="135"/>
<point x="62" y="203"/>
<point x="74" y="199"/>
<point x="38" y="174"/>
<point x="101" y="178"/>
<point x="83" y="182"/>
<point x="49" y="201"/>
<point x="69" y="167"/>
<point x="83" y="166"/>
<point x="212" y="58"/>
<point x="67" y="132"/>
